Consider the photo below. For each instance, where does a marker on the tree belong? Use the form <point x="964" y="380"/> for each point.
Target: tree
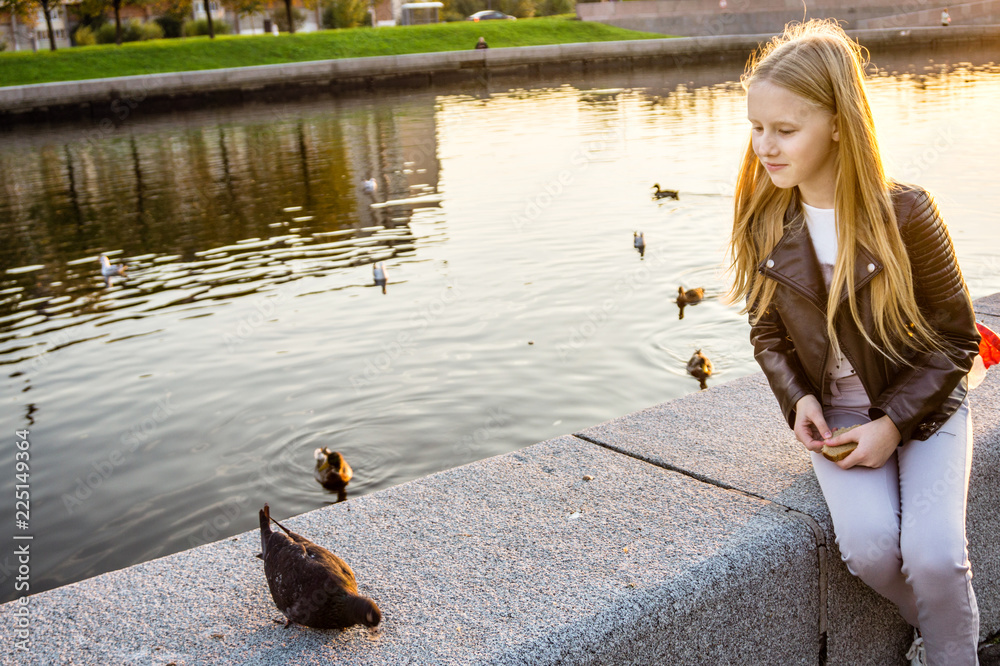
<point x="117" y="6"/>
<point x="208" y="15"/>
<point x="314" y="7"/>
<point x="90" y="13"/>
<point x="244" y="8"/>
<point x="178" y="9"/>
<point x="48" y="24"/>
<point x="280" y="18"/>
<point x="345" y="14"/>
<point x="24" y="10"/>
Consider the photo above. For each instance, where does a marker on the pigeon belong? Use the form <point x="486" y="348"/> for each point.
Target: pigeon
<point x="332" y="471"/>
<point x="310" y="585"/>
<point x="700" y="368"/>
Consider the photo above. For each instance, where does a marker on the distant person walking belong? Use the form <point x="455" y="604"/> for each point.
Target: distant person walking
<point x="481" y="44"/>
<point x="945" y="17"/>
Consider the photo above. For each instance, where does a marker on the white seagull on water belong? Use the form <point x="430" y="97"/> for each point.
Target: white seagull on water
<point x="378" y="272"/>
<point x="109" y="270"/>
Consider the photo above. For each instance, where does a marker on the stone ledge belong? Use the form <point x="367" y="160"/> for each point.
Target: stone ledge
<point x="687" y="547"/>
<point x="511" y="560"/>
<point x="775" y="467"/>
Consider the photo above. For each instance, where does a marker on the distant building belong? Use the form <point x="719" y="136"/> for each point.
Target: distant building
<point x="20" y="36"/>
<point x="392" y="12"/>
<point x="386" y="12"/>
<point x="198" y="10"/>
<point x="254" y="24"/>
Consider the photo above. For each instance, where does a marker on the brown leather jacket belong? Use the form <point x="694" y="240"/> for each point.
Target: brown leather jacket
<point x="791" y="344"/>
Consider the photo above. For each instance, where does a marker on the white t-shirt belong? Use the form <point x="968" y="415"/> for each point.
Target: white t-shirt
<point x="822" y="224"/>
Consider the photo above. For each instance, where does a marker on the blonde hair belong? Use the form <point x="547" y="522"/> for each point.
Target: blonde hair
<point x="820" y="63"/>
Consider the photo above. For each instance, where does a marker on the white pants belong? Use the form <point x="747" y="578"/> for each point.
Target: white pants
<point x="901" y="528"/>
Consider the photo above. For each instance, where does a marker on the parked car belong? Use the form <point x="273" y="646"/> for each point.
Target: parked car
<point x="490" y="14"/>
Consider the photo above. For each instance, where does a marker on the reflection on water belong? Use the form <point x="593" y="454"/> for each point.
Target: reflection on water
<point x="252" y="326"/>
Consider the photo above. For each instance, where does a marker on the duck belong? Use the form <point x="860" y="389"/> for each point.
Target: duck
<point x="664" y="194"/>
<point x="700" y="368"/>
<point x="690" y="296"/>
<point x="332" y="471"/>
<point x="310" y="585"/>
<point x="378" y="273"/>
<point x="369" y="185"/>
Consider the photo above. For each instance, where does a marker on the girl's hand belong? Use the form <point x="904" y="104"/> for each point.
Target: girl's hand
<point x="876" y="442"/>
<point x="810" y="426"/>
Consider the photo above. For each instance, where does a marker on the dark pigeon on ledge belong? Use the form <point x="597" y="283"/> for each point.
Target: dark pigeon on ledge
<point x="310" y="585"/>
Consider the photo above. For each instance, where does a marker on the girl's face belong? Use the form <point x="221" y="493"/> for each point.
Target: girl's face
<point x="795" y="140"/>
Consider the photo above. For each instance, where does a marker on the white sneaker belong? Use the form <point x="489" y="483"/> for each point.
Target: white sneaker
<point x="917" y="654"/>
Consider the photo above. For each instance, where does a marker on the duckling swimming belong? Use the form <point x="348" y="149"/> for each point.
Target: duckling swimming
<point x="689" y="297"/>
<point x="309" y="584"/>
<point x="700" y="368"/>
<point x="664" y="194"/>
<point x="332" y="471"/>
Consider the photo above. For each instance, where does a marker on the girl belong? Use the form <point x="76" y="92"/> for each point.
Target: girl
<point x="859" y="316"/>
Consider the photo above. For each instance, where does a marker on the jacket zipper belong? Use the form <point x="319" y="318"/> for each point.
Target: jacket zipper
<point x="822" y="378"/>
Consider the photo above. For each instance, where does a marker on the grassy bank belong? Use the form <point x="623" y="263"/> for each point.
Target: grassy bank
<point x="178" y="55"/>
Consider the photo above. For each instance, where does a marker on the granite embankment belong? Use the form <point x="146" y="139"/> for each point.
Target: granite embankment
<point x="701" y="537"/>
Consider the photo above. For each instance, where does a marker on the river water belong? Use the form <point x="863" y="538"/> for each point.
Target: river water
<point x="163" y="410"/>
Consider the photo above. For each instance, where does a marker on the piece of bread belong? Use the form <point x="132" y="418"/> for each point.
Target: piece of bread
<point x="838" y="453"/>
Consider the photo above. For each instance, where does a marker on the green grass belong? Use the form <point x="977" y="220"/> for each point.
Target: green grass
<point x="178" y="55"/>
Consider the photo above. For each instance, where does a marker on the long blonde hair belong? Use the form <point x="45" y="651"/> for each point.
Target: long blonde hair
<point x="820" y="63"/>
